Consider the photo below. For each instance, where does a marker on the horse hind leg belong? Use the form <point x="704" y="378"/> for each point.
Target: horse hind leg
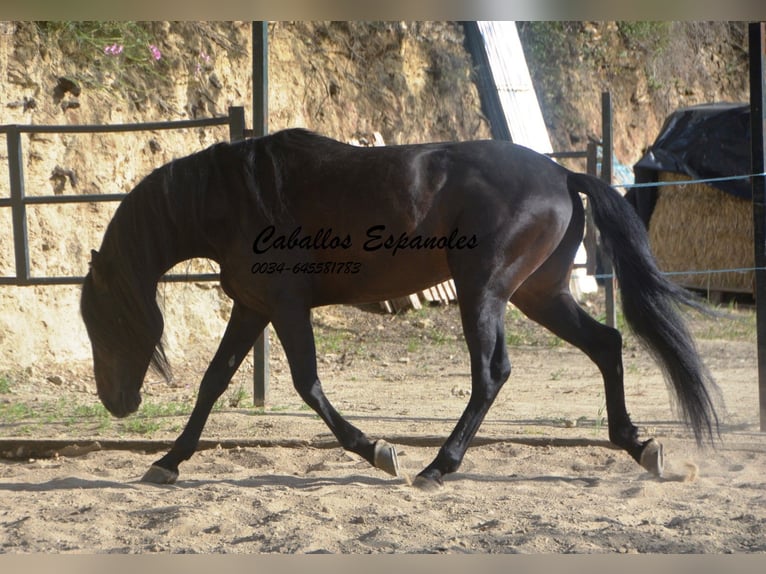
<point x="490" y="368"/>
<point x="557" y="310"/>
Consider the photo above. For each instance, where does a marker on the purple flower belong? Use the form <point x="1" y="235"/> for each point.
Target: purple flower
<point x="113" y="50"/>
<point x="156" y="54"/>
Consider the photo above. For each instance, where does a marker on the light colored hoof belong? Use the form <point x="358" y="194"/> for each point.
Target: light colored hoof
<point x="426" y="484"/>
<point x="385" y="458"/>
<point x="158" y="475"/>
<point x="652" y="458"/>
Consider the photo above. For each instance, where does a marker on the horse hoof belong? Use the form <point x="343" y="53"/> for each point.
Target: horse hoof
<point x="426" y="484"/>
<point x="652" y="458"/>
<point x="385" y="458"/>
<point x="158" y="475"/>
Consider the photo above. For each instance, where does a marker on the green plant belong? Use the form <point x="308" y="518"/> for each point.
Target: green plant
<point x="109" y="54"/>
<point x="13" y="412"/>
<point x="547" y="40"/>
<point x="5" y="385"/>
<point x="557" y="374"/>
<point x="96" y="412"/>
<point x="237" y="397"/>
<point x="438" y="336"/>
<point x="645" y="35"/>
<point x="600" y="418"/>
<point x="142" y="425"/>
<point x="134" y="42"/>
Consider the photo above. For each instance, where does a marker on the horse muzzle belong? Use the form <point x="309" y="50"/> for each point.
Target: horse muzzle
<point x="122" y="404"/>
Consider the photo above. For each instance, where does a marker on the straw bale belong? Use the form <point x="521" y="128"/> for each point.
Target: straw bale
<point x="697" y="227"/>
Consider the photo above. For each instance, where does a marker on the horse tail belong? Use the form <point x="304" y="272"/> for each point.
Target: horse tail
<point x="650" y="304"/>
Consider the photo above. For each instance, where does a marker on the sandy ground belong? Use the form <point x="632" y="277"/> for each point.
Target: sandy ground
<point x="540" y="478"/>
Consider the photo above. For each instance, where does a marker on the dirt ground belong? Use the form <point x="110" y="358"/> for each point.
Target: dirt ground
<point x="540" y="478"/>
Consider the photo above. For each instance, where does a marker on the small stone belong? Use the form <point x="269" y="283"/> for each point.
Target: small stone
<point x="70" y="104"/>
<point x="55" y="379"/>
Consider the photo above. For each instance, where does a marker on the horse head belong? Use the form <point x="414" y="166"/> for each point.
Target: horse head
<point x="124" y="325"/>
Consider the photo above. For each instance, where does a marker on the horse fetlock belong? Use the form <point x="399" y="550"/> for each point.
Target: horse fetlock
<point x="624" y="435"/>
<point x="385" y="458"/>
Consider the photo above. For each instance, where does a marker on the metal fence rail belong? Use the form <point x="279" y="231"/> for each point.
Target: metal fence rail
<point x="18" y="200"/>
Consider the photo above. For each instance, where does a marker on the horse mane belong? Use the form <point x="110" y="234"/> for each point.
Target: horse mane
<point x="148" y="226"/>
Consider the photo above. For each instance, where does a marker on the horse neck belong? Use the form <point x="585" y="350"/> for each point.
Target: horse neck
<point x="154" y="230"/>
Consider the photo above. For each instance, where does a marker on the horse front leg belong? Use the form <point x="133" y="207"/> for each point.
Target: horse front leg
<point x="293" y="326"/>
<point x="241" y="332"/>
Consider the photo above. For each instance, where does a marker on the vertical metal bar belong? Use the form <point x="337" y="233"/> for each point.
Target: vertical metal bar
<point x="606" y="175"/>
<point x="261" y="128"/>
<point x="260" y="78"/>
<point x="757" y="41"/>
<point x="261" y="369"/>
<point x="236" y="123"/>
<point x="18" y="206"/>
<point x="591" y="245"/>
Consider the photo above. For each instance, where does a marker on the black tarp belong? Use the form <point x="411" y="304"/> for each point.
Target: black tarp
<point x="703" y="142"/>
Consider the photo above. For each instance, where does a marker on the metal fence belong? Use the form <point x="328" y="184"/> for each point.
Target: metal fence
<point x="18" y="200"/>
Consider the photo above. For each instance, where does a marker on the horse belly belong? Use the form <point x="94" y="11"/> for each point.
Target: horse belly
<point x="382" y="277"/>
<point x="332" y="277"/>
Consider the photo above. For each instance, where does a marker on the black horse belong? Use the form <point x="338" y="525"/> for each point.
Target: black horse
<point x="297" y="220"/>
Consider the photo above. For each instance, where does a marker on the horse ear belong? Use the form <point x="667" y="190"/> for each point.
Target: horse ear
<point x="97" y="270"/>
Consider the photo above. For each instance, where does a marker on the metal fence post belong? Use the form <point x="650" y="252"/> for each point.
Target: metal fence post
<point x="260" y="38"/>
<point x="18" y="206"/>
<point x="260" y="78"/>
<point x="236" y="123"/>
<point x="589" y="241"/>
<point x="757" y="44"/>
<point x="606" y="174"/>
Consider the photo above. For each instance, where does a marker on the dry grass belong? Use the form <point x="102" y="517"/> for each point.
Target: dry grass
<point x="696" y="227"/>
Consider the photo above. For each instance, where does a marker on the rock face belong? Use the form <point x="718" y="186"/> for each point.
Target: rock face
<point x="409" y="82"/>
<point x="650" y="68"/>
